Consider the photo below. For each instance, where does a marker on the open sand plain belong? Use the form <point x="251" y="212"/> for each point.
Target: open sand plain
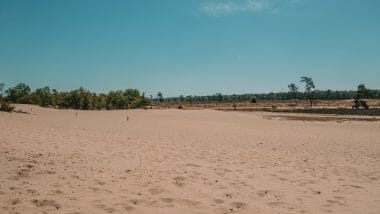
<point x="185" y="161"/>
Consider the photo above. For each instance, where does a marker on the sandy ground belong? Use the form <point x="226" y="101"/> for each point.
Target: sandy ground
<point x="185" y="161"/>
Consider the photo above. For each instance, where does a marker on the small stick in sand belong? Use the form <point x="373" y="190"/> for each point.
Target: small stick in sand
<point x="127" y="117"/>
<point x="76" y="114"/>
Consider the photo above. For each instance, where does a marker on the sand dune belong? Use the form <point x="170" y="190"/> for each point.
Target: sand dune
<point x="185" y="161"/>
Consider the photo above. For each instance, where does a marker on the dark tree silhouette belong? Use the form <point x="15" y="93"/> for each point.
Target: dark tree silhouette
<point x="160" y="97"/>
<point x="361" y="93"/>
<point x="309" y="85"/>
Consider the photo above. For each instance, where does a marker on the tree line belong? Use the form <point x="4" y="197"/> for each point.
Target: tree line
<point x="282" y="96"/>
<point x="132" y="98"/>
<point x="310" y="93"/>
<point x="76" y="99"/>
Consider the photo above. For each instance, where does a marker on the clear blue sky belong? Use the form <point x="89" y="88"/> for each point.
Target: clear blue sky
<point x="189" y="46"/>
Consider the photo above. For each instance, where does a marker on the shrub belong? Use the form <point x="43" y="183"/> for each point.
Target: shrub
<point x="4" y="106"/>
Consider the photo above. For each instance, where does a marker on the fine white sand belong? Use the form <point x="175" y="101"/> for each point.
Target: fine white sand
<point x="185" y="161"/>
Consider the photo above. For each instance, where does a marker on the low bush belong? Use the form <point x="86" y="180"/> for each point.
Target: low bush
<point x="4" y="106"/>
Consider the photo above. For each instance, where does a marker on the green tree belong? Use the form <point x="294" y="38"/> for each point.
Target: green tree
<point x="131" y="94"/>
<point x="19" y="94"/>
<point x="309" y="86"/>
<point x="189" y="99"/>
<point x="272" y="96"/>
<point x="117" y="100"/>
<point x="160" y="97"/>
<point x="181" y="98"/>
<point x="86" y="102"/>
<point x="219" y="97"/>
<point x="100" y="101"/>
<point x="139" y="102"/>
<point x="56" y="99"/>
<point x="44" y="97"/>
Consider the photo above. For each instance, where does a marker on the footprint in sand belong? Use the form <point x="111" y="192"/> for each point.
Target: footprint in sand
<point x="192" y="165"/>
<point x="136" y="201"/>
<point x="106" y="208"/>
<point x="100" y="182"/>
<point x="57" y="192"/>
<point x="219" y="201"/>
<point x="339" y="201"/>
<point x="32" y="191"/>
<point x="127" y="207"/>
<point x="13" y="188"/>
<point x="239" y="205"/>
<point x="29" y="166"/>
<point x="353" y="186"/>
<point x="276" y="203"/>
<point x="75" y="176"/>
<point x="15" y="201"/>
<point x="262" y="193"/>
<point x="167" y="200"/>
<point x="181" y="201"/>
<point x="46" y="172"/>
<point x="179" y="178"/>
<point x="46" y="203"/>
<point x="179" y="181"/>
<point x="187" y="202"/>
<point x="23" y="173"/>
<point x="155" y="191"/>
<point x="228" y="195"/>
<point x="339" y="198"/>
